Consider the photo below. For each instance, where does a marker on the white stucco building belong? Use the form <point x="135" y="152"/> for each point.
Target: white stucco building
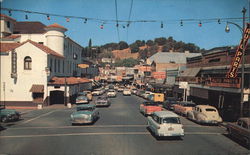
<point x="39" y="64"/>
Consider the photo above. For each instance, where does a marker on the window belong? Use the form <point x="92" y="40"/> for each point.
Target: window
<point x="8" y="24"/>
<point x="51" y="64"/>
<point x="63" y="66"/>
<point x="214" y="60"/>
<point x="27" y="63"/>
<point x="59" y="66"/>
<point x="40" y="43"/>
<point x="55" y="65"/>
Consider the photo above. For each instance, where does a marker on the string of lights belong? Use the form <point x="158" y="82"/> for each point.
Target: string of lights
<point x="129" y="16"/>
<point x="116" y="21"/>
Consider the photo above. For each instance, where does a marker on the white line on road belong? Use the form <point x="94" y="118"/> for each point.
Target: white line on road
<point x="37" y="117"/>
<point x="102" y="133"/>
<point x="65" y="127"/>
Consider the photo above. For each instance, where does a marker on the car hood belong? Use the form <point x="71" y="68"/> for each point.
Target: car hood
<point x="8" y="111"/>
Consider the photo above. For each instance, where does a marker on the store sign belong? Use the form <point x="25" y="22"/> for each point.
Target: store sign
<point x="13" y="64"/>
<point x="238" y="54"/>
<point x="159" y="75"/>
<point x="83" y="65"/>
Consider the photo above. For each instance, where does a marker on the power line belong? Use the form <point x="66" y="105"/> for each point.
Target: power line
<point x="117" y="23"/>
<point x="129" y="16"/>
<point x="107" y="21"/>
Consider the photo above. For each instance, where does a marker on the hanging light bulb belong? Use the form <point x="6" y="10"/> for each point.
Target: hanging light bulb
<point x="102" y="26"/>
<point x="161" y="24"/>
<point x="48" y="17"/>
<point x="10" y="14"/>
<point x="227" y="29"/>
<point x="117" y="25"/>
<point x="124" y="26"/>
<point x="200" y="25"/>
<point x="26" y="17"/>
<point x="128" y="25"/>
<point x="181" y="23"/>
<point x="67" y="19"/>
<point x="85" y="20"/>
<point x="219" y="21"/>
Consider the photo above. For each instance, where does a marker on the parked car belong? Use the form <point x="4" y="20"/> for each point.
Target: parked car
<point x="240" y="130"/>
<point x="146" y="94"/>
<point x="148" y="107"/>
<point x="89" y="95"/>
<point x="102" y="101"/>
<point x="140" y="93"/>
<point x="111" y="93"/>
<point x="97" y="92"/>
<point x="7" y="115"/>
<point x="126" y="92"/>
<point x="120" y="89"/>
<point x="169" y="103"/>
<point x="133" y="90"/>
<point x="84" y="114"/>
<point x="204" y="114"/>
<point x="82" y="100"/>
<point x="165" y="124"/>
<point x="183" y="107"/>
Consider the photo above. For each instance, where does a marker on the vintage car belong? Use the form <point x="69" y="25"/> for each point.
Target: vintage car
<point x="7" y="115"/>
<point x="89" y="95"/>
<point x="84" y="114"/>
<point x="204" y="114"/>
<point x="240" y="130"/>
<point x="183" y="107"/>
<point x="126" y="92"/>
<point x="97" y="92"/>
<point x="165" y="124"/>
<point x="120" y="89"/>
<point x="111" y="93"/>
<point x="102" y="101"/>
<point x="133" y="90"/>
<point x="82" y="100"/>
<point x="148" y="107"/>
<point x="169" y="103"/>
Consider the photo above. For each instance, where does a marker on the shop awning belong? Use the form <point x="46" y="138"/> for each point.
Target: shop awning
<point x="37" y="88"/>
<point x="190" y="72"/>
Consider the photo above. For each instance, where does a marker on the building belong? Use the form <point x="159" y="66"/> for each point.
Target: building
<point x="39" y="64"/>
<point x="207" y="82"/>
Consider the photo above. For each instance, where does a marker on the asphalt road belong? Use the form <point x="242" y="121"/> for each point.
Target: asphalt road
<point x="121" y="130"/>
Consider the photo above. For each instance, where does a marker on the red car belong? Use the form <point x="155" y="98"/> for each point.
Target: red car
<point x="148" y="107"/>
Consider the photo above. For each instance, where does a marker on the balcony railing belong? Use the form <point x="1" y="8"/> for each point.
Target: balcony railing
<point x="212" y="81"/>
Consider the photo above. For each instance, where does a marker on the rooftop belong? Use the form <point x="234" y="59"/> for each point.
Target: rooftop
<point x="166" y="114"/>
<point x="29" y="28"/>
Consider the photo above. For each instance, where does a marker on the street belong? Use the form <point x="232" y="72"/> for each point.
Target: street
<point x="121" y="130"/>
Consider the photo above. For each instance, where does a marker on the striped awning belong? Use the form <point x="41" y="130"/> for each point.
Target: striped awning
<point x="37" y="88"/>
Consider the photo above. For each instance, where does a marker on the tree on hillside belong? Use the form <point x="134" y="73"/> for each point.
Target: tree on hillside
<point x="123" y="45"/>
<point x="134" y="48"/>
<point x="161" y="41"/>
<point x="130" y="62"/>
<point x="140" y="43"/>
<point x="106" y="54"/>
<point x="150" y="43"/>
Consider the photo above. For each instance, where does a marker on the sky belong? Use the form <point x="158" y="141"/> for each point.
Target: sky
<point x="169" y="12"/>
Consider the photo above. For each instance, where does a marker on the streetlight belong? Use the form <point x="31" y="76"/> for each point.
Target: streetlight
<point x="227" y="29"/>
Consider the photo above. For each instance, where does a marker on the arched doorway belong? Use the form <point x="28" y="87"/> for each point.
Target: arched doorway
<point x="56" y="97"/>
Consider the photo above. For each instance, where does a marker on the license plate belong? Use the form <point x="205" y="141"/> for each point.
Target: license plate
<point x="170" y="129"/>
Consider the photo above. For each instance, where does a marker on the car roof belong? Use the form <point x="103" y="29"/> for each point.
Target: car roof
<point x="245" y="119"/>
<point x="205" y="106"/>
<point x="85" y="106"/>
<point x="165" y="114"/>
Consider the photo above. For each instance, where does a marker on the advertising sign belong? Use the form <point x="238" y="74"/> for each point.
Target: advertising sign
<point x="238" y="54"/>
<point x="159" y="75"/>
<point x="83" y="65"/>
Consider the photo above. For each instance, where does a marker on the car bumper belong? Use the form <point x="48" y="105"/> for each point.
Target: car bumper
<point x="210" y="121"/>
<point x="81" y="121"/>
<point x="171" y="134"/>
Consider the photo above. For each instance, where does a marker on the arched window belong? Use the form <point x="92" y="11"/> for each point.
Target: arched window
<point x="27" y="63"/>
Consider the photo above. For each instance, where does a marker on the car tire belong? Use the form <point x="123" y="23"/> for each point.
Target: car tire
<point x="4" y="119"/>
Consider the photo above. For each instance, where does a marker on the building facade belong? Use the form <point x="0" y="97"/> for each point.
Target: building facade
<point x="34" y="60"/>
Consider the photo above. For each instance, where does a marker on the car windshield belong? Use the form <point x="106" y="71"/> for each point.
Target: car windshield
<point x="150" y="104"/>
<point x="81" y="98"/>
<point x="210" y="110"/>
<point x="101" y="98"/>
<point x="189" y="105"/>
<point x="173" y="120"/>
<point x="111" y="91"/>
<point x="85" y="108"/>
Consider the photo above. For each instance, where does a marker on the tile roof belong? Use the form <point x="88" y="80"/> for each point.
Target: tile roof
<point x="8" y="17"/>
<point x="69" y="80"/>
<point x="13" y="36"/>
<point x="29" y="28"/>
<point x="172" y="57"/>
<point x="55" y="25"/>
<point x="37" y="88"/>
<point x="6" y="47"/>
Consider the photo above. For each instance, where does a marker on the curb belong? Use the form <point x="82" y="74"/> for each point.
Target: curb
<point x="16" y="107"/>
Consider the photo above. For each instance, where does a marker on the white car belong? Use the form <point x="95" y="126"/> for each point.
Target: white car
<point x="111" y="93"/>
<point x="204" y="114"/>
<point x="126" y="92"/>
<point x="165" y="124"/>
<point x="97" y="92"/>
